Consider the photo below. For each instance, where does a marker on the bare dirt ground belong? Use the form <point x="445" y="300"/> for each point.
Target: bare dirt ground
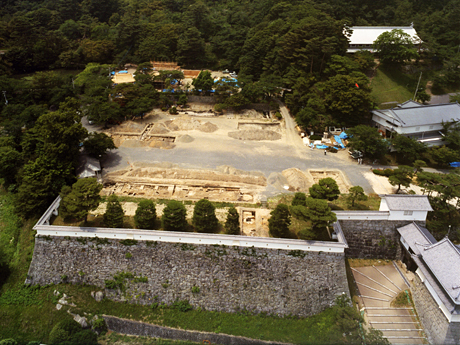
<point x="181" y="157"/>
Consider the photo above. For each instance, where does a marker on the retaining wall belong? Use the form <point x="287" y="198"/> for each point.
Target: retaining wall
<point x="229" y="278"/>
<point x="437" y="327"/>
<point x="130" y="327"/>
<point x="373" y="238"/>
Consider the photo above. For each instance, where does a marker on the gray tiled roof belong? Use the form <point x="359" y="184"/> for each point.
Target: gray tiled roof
<point x="443" y="260"/>
<point x="407" y="202"/>
<point x="445" y="298"/>
<point x="409" y="104"/>
<point x="416" y="237"/>
<point x="411" y="116"/>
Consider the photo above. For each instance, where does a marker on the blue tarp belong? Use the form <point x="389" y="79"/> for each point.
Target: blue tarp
<point x="122" y="72"/>
<point x="343" y="135"/>
<point x="321" y="146"/>
<point x="113" y="73"/>
<point x="339" y="141"/>
<point x="173" y="81"/>
<point x="455" y="164"/>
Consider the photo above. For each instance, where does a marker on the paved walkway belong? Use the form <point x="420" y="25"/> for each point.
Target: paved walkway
<point x="378" y="286"/>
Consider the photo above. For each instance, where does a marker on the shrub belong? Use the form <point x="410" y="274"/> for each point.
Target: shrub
<point x="315" y="137"/>
<point x="232" y="224"/>
<point x="99" y="325"/>
<point x="279" y="222"/>
<point x="278" y="115"/>
<point x="9" y="341"/>
<point x="195" y="289"/>
<point x="182" y="305"/>
<point x="128" y="255"/>
<point x="113" y="216"/>
<point x="173" y="110"/>
<point x="174" y="216"/>
<point x="146" y="215"/>
<point x="326" y="188"/>
<point x="63" y="330"/>
<point x="87" y="337"/>
<point x="219" y="107"/>
<point x="204" y="216"/>
<point x="299" y="199"/>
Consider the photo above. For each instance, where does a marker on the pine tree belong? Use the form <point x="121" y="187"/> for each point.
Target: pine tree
<point x="113" y="216"/>
<point x="326" y="188"/>
<point x="299" y="199"/>
<point x="80" y="199"/>
<point x="146" y="215"/>
<point x="279" y="222"/>
<point x="356" y="193"/>
<point x="174" y="216"/>
<point x="232" y="224"/>
<point x="204" y="217"/>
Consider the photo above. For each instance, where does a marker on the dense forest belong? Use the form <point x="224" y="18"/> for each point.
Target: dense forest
<point x="297" y="45"/>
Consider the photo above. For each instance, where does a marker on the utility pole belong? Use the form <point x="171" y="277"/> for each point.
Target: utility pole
<point x="416" y="90"/>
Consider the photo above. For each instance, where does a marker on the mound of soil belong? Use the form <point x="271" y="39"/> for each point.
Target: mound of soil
<point x="256" y="134"/>
<point x="159" y="128"/>
<point x="297" y="180"/>
<point x="129" y="127"/>
<point x="208" y="127"/>
<point x="185" y="139"/>
<point x="183" y="124"/>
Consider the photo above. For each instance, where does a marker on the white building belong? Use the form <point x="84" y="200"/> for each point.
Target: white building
<point x="363" y="37"/>
<point x="406" y="206"/>
<point x="412" y="119"/>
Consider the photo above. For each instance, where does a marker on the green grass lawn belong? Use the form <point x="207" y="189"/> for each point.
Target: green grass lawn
<point x="27" y="315"/>
<point x="391" y="85"/>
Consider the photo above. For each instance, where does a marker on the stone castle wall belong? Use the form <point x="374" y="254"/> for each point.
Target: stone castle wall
<point x="435" y="323"/>
<point x="211" y="277"/>
<point x="376" y="239"/>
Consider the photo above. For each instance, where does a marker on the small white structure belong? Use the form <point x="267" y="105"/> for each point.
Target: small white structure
<point x="415" y="120"/>
<point x="89" y="167"/>
<point x="405" y="206"/>
<point x="363" y="37"/>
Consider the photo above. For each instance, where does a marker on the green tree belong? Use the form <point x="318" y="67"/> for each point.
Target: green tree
<point x="146" y="215"/>
<point x="347" y="98"/>
<point x="80" y="199"/>
<point x="204" y="216"/>
<point x="97" y="144"/>
<point x="113" y="216"/>
<point x="203" y="82"/>
<point x="278" y="223"/>
<point x="408" y="149"/>
<point x="174" y="216"/>
<point x="443" y="155"/>
<point x="326" y="188"/>
<point x="401" y="177"/>
<point x="10" y="163"/>
<point x="299" y="199"/>
<point x="418" y="166"/>
<point x="367" y="140"/>
<point x="451" y="131"/>
<point x="319" y="214"/>
<point x="232" y="224"/>
<point x="356" y="193"/>
<point x="395" y="46"/>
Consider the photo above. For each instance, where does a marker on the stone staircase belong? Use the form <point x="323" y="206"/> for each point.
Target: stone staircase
<point x="378" y="286"/>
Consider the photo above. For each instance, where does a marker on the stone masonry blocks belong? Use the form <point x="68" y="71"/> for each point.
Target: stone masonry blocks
<point x="373" y="239"/>
<point x="228" y="278"/>
<point x="435" y="323"/>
